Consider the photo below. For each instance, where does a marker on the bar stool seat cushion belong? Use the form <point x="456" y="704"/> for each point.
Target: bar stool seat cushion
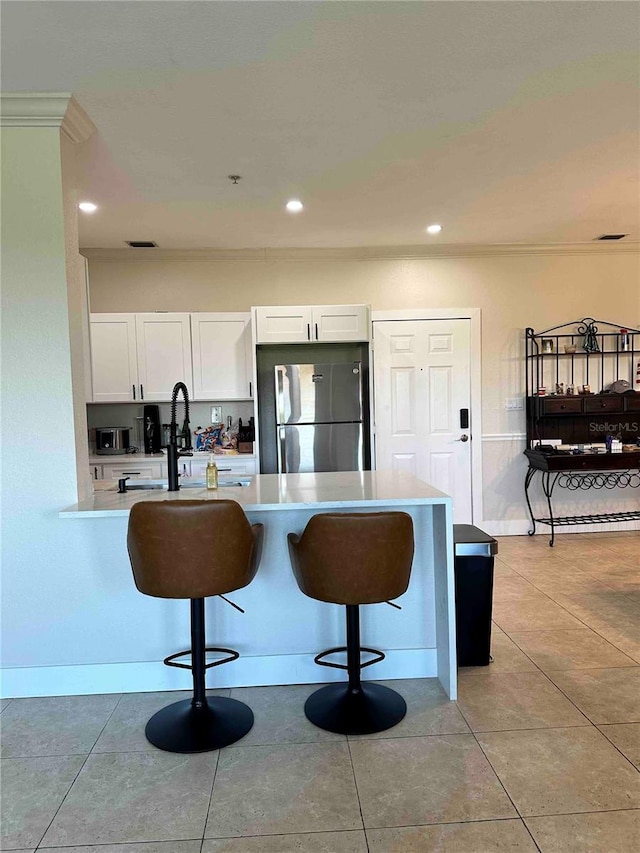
<point x="192" y="549"/>
<point x="354" y="558"/>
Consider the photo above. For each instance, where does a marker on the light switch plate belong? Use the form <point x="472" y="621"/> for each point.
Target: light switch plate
<point x="514" y="403"/>
<point x="216" y="414"/>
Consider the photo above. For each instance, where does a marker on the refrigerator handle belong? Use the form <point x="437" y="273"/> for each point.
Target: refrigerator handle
<point x="282" y="456"/>
<point x="279" y="395"/>
<point x="308" y="331"/>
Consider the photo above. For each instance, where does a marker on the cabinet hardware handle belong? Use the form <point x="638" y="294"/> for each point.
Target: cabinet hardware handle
<point x="141" y="392"/>
<point x="250" y="394"/>
<point x="134" y="391"/>
<point x="316" y="331"/>
<point x="95" y="473"/>
<point x="308" y="331"/>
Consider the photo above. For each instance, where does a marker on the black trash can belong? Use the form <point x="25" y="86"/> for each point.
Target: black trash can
<point x="473" y="569"/>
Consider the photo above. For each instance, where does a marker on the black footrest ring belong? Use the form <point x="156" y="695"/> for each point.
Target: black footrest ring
<point x="378" y="657"/>
<point x="231" y="655"/>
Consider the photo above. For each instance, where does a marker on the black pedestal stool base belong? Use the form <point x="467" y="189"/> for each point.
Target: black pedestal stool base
<point x="185" y="727"/>
<point x="368" y="709"/>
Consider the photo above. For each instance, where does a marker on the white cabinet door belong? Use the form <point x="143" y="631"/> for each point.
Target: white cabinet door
<point x="164" y="354"/>
<point x="114" y="364"/>
<point x="221" y="344"/>
<point x="293" y="324"/>
<point x="283" y="324"/>
<point x="135" y="470"/>
<point x="340" y="323"/>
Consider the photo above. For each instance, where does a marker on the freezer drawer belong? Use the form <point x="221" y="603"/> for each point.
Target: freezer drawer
<point x="320" y="447"/>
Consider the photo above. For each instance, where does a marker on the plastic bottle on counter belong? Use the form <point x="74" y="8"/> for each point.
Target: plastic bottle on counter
<point x="212" y="473"/>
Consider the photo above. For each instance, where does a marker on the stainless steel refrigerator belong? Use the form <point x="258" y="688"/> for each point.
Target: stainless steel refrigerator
<point x="319" y="422"/>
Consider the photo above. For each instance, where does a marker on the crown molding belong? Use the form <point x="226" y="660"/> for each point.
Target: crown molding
<point x="76" y="124"/>
<point x="46" y="109"/>
<point x="381" y="253"/>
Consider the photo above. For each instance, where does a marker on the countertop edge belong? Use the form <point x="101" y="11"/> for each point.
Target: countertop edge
<point x="76" y="510"/>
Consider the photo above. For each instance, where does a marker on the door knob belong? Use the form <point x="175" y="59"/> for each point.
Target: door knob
<point x="462" y="438"/>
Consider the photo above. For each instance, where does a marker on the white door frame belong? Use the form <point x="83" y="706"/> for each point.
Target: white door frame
<point x="474" y="315"/>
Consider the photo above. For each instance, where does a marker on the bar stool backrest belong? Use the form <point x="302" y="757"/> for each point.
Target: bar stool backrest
<point x="192" y="549"/>
<point x="354" y="558"/>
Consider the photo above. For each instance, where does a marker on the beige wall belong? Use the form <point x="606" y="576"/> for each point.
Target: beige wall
<point x="514" y="288"/>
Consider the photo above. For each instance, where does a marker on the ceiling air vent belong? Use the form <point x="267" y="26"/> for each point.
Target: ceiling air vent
<point x="142" y="244"/>
<point x="611" y="237"/>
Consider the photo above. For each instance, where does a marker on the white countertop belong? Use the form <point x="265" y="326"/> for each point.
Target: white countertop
<point x="279" y="491"/>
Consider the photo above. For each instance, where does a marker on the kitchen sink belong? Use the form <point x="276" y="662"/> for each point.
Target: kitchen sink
<point x="148" y="485"/>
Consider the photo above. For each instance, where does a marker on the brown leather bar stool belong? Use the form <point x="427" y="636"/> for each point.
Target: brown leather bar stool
<point x="354" y="559"/>
<point x="194" y="549"/>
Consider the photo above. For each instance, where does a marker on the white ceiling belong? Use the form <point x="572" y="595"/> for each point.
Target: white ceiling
<point x="508" y="122"/>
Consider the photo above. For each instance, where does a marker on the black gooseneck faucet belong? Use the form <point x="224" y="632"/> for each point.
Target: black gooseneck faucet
<point x="172" y="447"/>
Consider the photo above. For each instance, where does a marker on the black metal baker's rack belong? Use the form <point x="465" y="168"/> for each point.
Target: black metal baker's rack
<point x="609" y="357"/>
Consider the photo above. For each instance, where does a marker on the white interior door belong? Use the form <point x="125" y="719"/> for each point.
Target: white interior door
<point x="421" y="387"/>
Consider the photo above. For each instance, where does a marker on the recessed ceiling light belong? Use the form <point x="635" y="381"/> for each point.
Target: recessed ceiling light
<point x="434" y="229"/>
<point x="88" y="206"/>
<point x="294" y="206"/>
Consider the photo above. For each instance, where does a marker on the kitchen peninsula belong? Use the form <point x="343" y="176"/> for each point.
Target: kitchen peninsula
<point x="281" y="629"/>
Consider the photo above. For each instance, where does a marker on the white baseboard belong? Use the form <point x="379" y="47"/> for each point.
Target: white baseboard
<point x="149" y="676"/>
<point x="516" y="527"/>
<point x="521" y="527"/>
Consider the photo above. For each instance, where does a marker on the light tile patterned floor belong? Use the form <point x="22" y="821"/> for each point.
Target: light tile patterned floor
<point x="541" y="752"/>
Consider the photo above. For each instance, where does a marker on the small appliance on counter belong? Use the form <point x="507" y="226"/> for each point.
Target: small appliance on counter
<point x="152" y="430"/>
<point x="246" y="436"/>
<point x="112" y="440"/>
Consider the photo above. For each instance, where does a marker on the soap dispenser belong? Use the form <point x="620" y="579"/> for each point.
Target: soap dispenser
<point x="212" y="473"/>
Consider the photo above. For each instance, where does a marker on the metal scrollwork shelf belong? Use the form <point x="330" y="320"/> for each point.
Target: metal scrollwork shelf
<point x="559" y="471"/>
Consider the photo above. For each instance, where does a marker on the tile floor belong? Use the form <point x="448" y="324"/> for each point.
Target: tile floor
<point x="541" y="751"/>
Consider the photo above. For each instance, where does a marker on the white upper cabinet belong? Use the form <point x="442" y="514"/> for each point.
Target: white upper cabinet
<point x="221" y="344"/>
<point x="283" y="324"/>
<point x="164" y="354"/>
<point x="139" y="357"/>
<point x="340" y="323"/>
<point x="280" y="324"/>
<point x="114" y="361"/>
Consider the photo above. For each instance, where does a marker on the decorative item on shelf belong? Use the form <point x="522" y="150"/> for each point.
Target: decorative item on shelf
<point x="620" y="386"/>
<point x="589" y="329"/>
<point x="571" y="390"/>
<point x="625" y="345"/>
<point x="560" y="388"/>
<point x="570" y="348"/>
<point x="586" y="389"/>
<point x="547" y="345"/>
<point x="542" y="391"/>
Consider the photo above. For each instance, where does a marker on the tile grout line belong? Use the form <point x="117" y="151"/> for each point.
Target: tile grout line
<point x="355" y="782"/>
<point x="486" y="757"/>
<point x="80" y="769"/>
<point x="206" y="817"/>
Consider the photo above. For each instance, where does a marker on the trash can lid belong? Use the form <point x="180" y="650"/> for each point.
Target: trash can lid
<point x="470" y="541"/>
